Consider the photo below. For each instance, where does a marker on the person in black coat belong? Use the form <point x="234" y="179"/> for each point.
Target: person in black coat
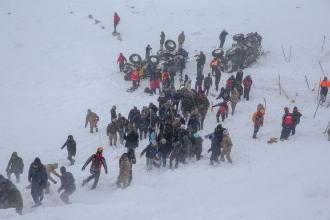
<point x="201" y="59"/>
<point x="148" y="50"/>
<point x="67" y="185"/>
<point x="70" y="144"/>
<point x="224" y="94"/>
<point x="239" y="76"/>
<point x="216" y="139"/>
<point x="164" y="148"/>
<point x="222" y="38"/>
<point x="38" y="179"/>
<point x="132" y="141"/>
<point x="151" y="152"/>
<point x="296" y="119"/>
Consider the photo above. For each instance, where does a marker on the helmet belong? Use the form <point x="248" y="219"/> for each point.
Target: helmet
<point x="99" y="149"/>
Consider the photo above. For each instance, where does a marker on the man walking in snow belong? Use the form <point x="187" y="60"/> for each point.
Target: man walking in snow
<point x="70" y="144"/>
<point x="287" y="123"/>
<point x="15" y="166"/>
<point x="38" y="179"/>
<point x="222" y="37"/>
<point x="67" y="185"/>
<point x="91" y="118"/>
<point x="121" y="60"/>
<point x="181" y="39"/>
<point x="98" y="161"/>
<point x="258" y="120"/>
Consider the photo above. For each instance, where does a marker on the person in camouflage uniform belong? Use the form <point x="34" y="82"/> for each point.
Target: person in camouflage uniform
<point x="226" y="145"/>
<point x="112" y="132"/>
<point x="125" y="170"/>
<point x="91" y="118"/>
<point x="15" y="166"/>
<point x="234" y="100"/>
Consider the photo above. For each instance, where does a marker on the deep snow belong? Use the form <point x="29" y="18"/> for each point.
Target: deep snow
<point x="56" y="64"/>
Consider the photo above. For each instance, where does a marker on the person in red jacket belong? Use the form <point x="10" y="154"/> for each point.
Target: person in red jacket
<point x="287" y="123"/>
<point x="223" y="111"/>
<point x="154" y="84"/>
<point x="247" y="82"/>
<point x="98" y="161"/>
<point x="135" y="78"/>
<point x="121" y="60"/>
<point x="116" y="20"/>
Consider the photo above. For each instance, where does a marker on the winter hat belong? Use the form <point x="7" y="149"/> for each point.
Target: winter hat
<point x="99" y="149"/>
<point x="37" y="161"/>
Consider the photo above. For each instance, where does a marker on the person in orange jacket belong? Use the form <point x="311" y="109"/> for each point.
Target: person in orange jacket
<point x="324" y="84"/>
<point x="121" y="60"/>
<point x="116" y="20"/>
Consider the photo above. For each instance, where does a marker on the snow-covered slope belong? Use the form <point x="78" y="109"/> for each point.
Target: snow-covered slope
<point x="55" y="64"/>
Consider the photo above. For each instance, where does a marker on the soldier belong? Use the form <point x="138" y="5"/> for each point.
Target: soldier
<point x="51" y="169"/>
<point x="98" y="161"/>
<point x="70" y="144"/>
<point x="234" y="100"/>
<point x="67" y="184"/>
<point x="226" y="145"/>
<point x="222" y="37"/>
<point x="10" y="197"/>
<point x="207" y="84"/>
<point x="15" y="166"/>
<point x="112" y="132"/>
<point x="181" y="39"/>
<point x="91" y="118"/>
<point x="148" y="51"/>
<point x="113" y="113"/>
<point x="125" y="170"/>
<point x="162" y="40"/>
<point x="38" y="179"/>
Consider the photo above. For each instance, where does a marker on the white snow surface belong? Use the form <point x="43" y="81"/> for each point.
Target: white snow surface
<point x="56" y="64"/>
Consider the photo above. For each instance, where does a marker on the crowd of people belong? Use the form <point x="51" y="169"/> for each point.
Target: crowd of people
<point x="172" y="127"/>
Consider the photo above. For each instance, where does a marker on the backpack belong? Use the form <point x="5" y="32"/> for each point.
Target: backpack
<point x="288" y="119"/>
<point x="254" y="117"/>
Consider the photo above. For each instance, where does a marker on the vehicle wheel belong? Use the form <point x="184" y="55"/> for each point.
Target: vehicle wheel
<point x="154" y="60"/>
<point x="170" y="45"/>
<point x="127" y="68"/>
<point x="135" y="58"/>
<point x="217" y="53"/>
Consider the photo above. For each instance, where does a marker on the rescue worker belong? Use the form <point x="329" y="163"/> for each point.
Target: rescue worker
<point x="247" y="82"/>
<point x="287" y="123"/>
<point x="121" y="60"/>
<point x="324" y="84"/>
<point x="258" y="120"/>
<point x="296" y="119"/>
<point x="116" y="20"/>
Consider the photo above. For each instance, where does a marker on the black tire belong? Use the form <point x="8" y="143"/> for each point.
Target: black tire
<point x="127" y="77"/>
<point x="217" y="53"/>
<point x="128" y="68"/>
<point x="170" y="45"/>
<point x="135" y="59"/>
<point x="153" y="60"/>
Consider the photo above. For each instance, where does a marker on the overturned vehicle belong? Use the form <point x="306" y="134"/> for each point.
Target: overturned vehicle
<point x="243" y="53"/>
<point x="170" y="60"/>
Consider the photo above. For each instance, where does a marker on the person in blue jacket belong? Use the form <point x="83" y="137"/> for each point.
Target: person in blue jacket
<point x="38" y="179"/>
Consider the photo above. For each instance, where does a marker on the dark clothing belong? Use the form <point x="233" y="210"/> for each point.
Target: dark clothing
<point x="10" y="197"/>
<point x="113" y="114"/>
<point x="217" y="79"/>
<point x="224" y="94"/>
<point x="70" y="144"/>
<point x="239" y="76"/>
<point x="150" y="151"/>
<point x="296" y="120"/>
<point x="197" y="143"/>
<point x="38" y="178"/>
<point x="247" y="82"/>
<point x="16" y="166"/>
<point x="162" y="40"/>
<point x="148" y="50"/>
<point x="132" y="140"/>
<point x="97" y="162"/>
<point x="68" y="185"/>
<point x="222" y="38"/>
<point x="207" y="84"/>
